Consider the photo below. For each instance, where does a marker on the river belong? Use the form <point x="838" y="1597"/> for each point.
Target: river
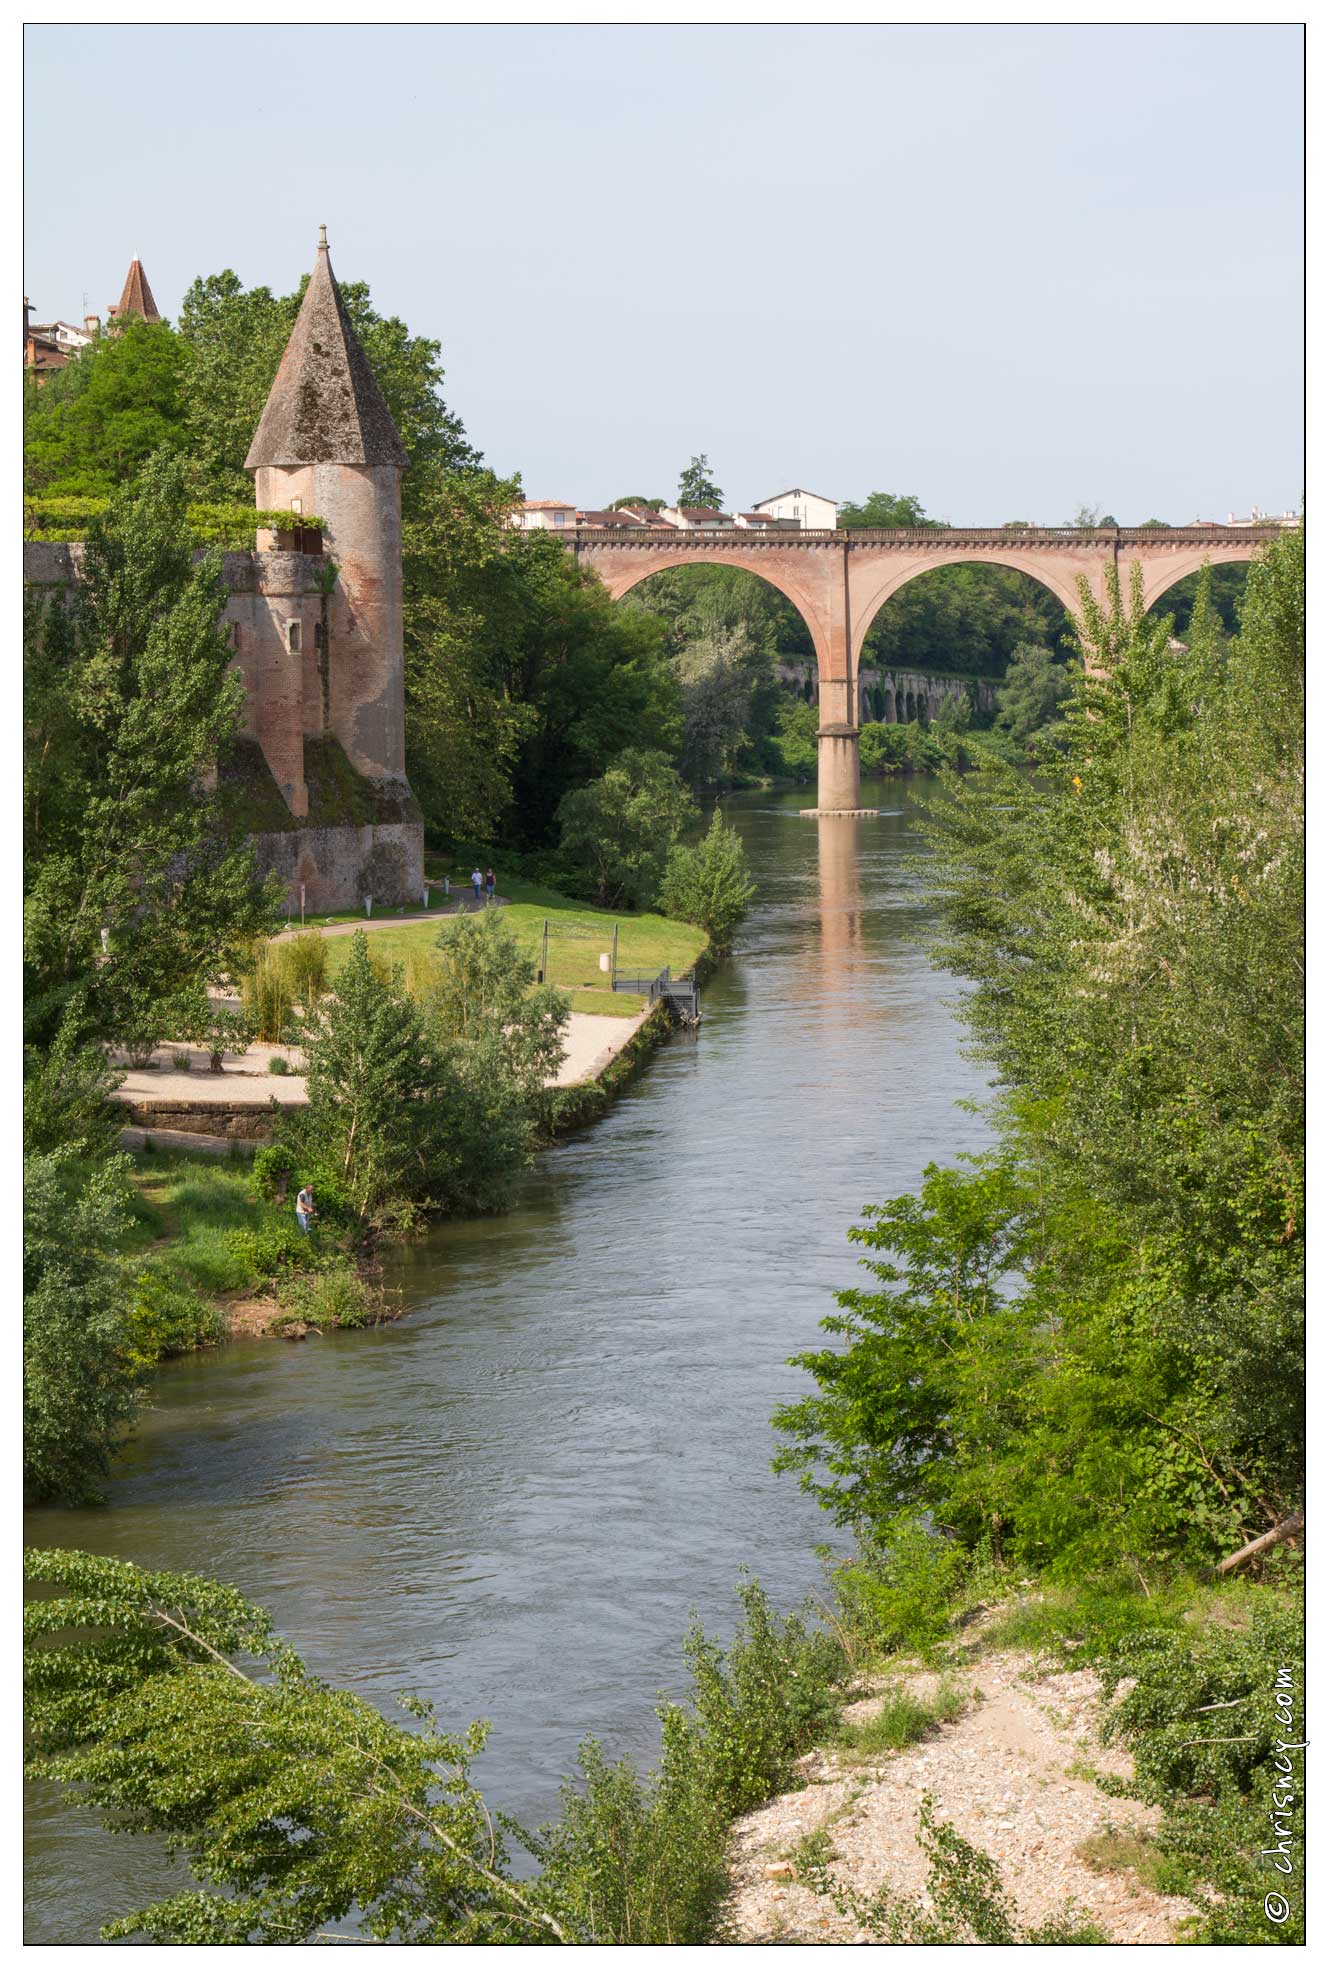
<point x="510" y="1499"/>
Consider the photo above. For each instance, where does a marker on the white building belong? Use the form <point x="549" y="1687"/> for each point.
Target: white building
<point x="1260" y="518"/>
<point x="689" y="517"/>
<point x="806" y="509"/>
<point x="534" y="514"/>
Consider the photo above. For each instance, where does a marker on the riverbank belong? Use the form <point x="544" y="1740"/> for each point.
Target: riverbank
<point x="1079" y="1742"/>
<point x="234" y="1262"/>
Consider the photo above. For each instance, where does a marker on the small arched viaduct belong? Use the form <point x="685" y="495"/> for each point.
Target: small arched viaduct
<point x="839" y="581"/>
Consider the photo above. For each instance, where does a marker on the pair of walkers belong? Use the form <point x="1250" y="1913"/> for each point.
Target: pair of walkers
<point x="483" y="885"/>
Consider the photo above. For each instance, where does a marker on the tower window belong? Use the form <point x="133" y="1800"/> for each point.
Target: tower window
<point x="297" y="505"/>
<point x="293" y="638"/>
<point x="235" y="636"/>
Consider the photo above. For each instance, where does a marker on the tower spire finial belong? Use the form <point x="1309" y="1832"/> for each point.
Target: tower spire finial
<point x="322" y="239"/>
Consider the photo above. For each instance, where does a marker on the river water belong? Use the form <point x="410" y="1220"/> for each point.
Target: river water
<point x="510" y="1499"/>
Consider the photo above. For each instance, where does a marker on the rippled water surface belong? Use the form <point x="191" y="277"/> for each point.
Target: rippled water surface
<point x="510" y="1500"/>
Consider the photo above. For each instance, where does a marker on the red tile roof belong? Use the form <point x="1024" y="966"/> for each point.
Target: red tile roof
<point x="137" y="297"/>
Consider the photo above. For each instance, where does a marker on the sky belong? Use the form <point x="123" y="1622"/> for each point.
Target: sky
<point x="1011" y="270"/>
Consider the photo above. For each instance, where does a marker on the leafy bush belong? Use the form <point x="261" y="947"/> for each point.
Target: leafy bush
<point x="267" y="1252"/>
<point x="708" y="885"/>
<point x="1215" y="1720"/>
<point x="165" y="1317"/>
<point x="900" y="1599"/>
<point x="279" y="1064"/>
<point x="273" y="1168"/>
<point x="334" y="1297"/>
<point x="77" y="1394"/>
<point x="66" y="1098"/>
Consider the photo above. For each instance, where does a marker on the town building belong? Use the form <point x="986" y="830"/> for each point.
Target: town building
<point x="1261" y="518"/>
<point x="533" y="515"/>
<point x="763" y="522"/>
<point x="808" y="510"/>
<point x="689" y="517"/>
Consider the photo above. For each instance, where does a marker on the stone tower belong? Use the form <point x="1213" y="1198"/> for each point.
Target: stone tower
<point x="326" y="445"/>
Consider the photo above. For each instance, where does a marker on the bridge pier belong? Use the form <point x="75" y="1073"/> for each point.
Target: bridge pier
<point x="837" y="771"/>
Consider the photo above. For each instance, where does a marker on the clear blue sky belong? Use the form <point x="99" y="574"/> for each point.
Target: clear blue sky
<point x="1008" y="269"/>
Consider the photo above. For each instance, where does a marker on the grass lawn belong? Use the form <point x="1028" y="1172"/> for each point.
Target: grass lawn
<point x="578" y="933"/>
<point x="199" y="1214"/>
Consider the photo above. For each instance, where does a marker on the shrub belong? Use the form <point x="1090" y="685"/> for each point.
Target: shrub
<point x="77" y="1395"/>
<point x="273" y="1168"/>
<point x="335" y="1297"/>
<point x="305" y="961"/>
<point x="268" y="996"/>
<point x="165" y="1317"/>
<point x="643" y="1860"/>
<point x="279" y="1064"/>
<point x="271" y="1250"/>
<point x="182" y="1061"/>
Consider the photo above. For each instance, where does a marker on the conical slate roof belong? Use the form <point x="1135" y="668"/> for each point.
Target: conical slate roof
<point x="324" y="406"/>
<point x="137" y="297"/>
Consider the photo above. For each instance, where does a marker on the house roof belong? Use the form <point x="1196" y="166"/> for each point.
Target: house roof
<point x="548" y="506"/>
<point x="617" y="516"/>
<point x="137" y="296"/>
<point x="790" y="491"/>
<point x="766" y="519"/>
<point x="325" y="405"/>
<point x="701" y="513"/>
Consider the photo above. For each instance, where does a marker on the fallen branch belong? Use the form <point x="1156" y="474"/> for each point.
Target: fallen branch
<point x="1265" y="1543"/>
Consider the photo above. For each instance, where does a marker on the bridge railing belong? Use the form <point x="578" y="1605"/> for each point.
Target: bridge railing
<point x="955" y="536"/>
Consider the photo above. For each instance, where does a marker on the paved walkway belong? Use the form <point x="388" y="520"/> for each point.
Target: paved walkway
<point x="593" y="1039"/>
<point x="461" y="904"/>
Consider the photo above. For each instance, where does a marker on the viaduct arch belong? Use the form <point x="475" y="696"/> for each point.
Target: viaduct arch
<point x="838" y="581"/>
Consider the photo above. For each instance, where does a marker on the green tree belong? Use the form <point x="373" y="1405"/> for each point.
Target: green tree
<point x="709" y="884"/>
<point x="94" y="424"/>
<point x="174" y="1707"/>
<point x="592" y="676"/>
<point x="373" y="1114"/>
<point x="715" y="674"/>
<point x="696" y="487"/>
<point x="483" y="992"/>
<point x="620" y="828"/>
<point x="886" y="510"/>
<point x="1034" y="688"/>
<point x="77" y="1394"/>
<point x="636" y="499"/>
<point x="131" y="706"/>
<point x="1129" y="1391"/>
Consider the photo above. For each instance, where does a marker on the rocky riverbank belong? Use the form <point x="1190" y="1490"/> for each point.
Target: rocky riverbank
<point x="1012" y="1763"/>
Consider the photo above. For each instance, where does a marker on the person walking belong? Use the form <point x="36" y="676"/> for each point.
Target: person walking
<point x="477" y="883"/>
<point x="304" y="1207"/>
<point x="489" y="885"/>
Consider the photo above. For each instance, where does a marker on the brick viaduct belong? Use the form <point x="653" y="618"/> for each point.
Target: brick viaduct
<point x="838" y="582"/>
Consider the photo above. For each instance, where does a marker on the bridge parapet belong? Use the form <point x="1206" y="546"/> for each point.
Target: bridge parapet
<point x="754" y="540"/>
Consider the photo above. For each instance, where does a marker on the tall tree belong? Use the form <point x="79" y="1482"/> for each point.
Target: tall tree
<point x="696" y="487"/>
<point x="131" y="705"/>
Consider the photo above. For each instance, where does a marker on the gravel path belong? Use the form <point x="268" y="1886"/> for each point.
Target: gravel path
<point x="1009" y="1775"/>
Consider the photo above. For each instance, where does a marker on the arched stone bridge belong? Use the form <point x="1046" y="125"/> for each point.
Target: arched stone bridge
<point x="838" y="582"/>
